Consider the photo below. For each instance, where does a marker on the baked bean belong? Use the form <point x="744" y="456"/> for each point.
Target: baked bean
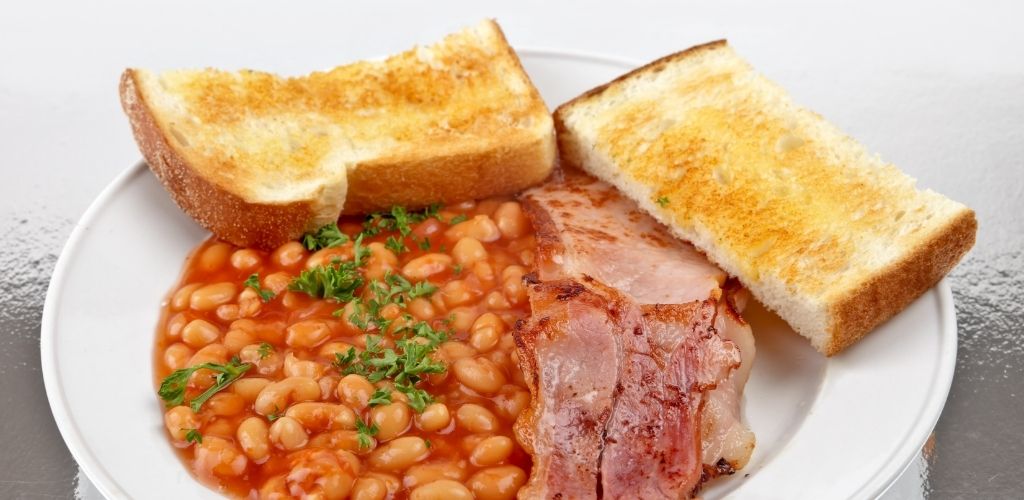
<point x="289" y="255"/>
<point x="220" y="457"/>
<point x="421" y="474"/>
<point x="443" y="489"/>
<point x="355" y="391"/>
<point x="475" y="418"/>
<point x="497" y="483"/>
<point x="249" y="387"/>
<point x="276" y="396"/>
<point x="463" y="317"/>
<point x="176" y="356"/>
<point x="391" y="482"/>
<point x="479" y="374"/>
<point x="228" y="312"/>
<point x="317" y="417"/>
<point x="208" y="297"/>
<point x="307" y="334"/>
<point x="434" y="417"/>
<point x="179" y="420"/>
<point x="391" y="420"/>
<point x="484" y="273"/>
<point x="510" y="220"/>
<point x="175" y="324"/>
<point x="235" y="340"/>
<point x="369" y="488"/>
<point x="288" y="433"/>
<point x="342" y="440"/>
<point x="486" y="332"/>
<point x="422" y="309"/>
<point x="277" y="282"/>
<point x="328" y="386"/>
<point x="455" y="350"/>
<point x="327" y="256"/>
<point x="220" y="427"/>
<point x="480" y="227"/>
<point x="214" y="257"/>
<point x="199" y="332"/>
<point x="511" y="401"/>
<point x="180" y="299"/>
<point x="438" y="302"/>
<point x="381" y="261"/>
<point x="295" y="367"/>
<point x="496" y="300"/>
<point x="266" y="361"/>
<point x="468" y="251"/>
<point x="400" y="453"/>
<point x="491" y="451"/>
<point x="425" y="266"/>
<point x="488" y="206"/>
<point x="249" y="303"/>
<point x="246" y="259"/>
<point x="275" y="488"/>
<point x="330" y="350"/>
<point x="254" y="438"/>
<point x="459" y="293"/>
<point x="225" y="404"/>
<point x="213" y="353"/>
<point x="322" y="474"/>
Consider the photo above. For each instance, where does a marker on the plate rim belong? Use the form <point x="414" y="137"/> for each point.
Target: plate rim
<point x="898" y="462"/>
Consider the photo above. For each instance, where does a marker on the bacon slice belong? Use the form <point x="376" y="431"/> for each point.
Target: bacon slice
<point x="585" y="226"/>
<point x="570" y="328"/>
<point x="617" y="391"/>
<point x="587" y="231"/>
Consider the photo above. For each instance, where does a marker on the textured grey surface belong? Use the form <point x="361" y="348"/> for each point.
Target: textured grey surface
<point x="936" y="89"/>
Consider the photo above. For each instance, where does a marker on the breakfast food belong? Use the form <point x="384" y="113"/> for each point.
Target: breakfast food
<point x="613" y="285"/>
<point x="373" y="360"/>
<point x="260" y="159"/>
<point x="831" y="238"/>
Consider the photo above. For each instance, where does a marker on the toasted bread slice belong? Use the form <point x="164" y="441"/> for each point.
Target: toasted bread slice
<point x="833" y="239"/>
<point x="259" y="159"/>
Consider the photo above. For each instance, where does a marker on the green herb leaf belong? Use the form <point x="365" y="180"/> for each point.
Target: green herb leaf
<point x="424" y="244"/>
<point x="325" y="237"/>
<point x="265" y="350"/>
<point x="418" y="398"/>
<point x="172" y="388"/>
<point x="457" y="219"/>
<point x="275" y="415"/>
<point x="662" y="201"/>
<point x="380" y="397"/>
<point x="396" y="245"/>
<point x="457" y="269"/>
<point x="365" y="433"/>
<point x="253" y="281"/>
<point x="193" y="436"/>
<point x="337" y="280"/>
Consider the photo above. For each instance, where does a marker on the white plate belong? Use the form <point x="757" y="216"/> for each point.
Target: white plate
<point x="844" y="427"/>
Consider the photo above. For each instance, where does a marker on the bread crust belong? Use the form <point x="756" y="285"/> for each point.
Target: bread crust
<point x="894" y="287"/>
<point x="222" y="212"/>
<point x="849" y="312"/>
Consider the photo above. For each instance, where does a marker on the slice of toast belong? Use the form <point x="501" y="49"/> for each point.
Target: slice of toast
<point x="833" y="239"/>
<point x="259" y="159"/>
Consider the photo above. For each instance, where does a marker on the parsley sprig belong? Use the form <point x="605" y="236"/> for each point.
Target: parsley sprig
<point x="172" y="389"/>
<point x="397" y="219"/>
<point x="253" y="281"/>
<point x="326" y="237"/>
<point x="337" y="280"/>
<point x="365" y="433"/>
<point x="193" y="436"/>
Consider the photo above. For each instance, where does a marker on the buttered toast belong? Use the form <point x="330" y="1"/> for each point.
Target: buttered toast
<point x="830" y="237"/>
<point x="260" y="159"/>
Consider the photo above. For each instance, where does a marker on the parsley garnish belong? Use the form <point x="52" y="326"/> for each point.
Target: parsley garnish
<point x="398" y="219"/>
<point x="265" y="350"/>
<point x="380" y="397"/>
<point x="662" y="201"/>
<point x="457" y="269"/>
<point x="424" y="244"/>
<point x="359" y="252"/>
<point x="457" y="219"/>
<point x="172" y="389"/>
<point x="193" y="436"/>
<point x="253" y="281"/>
<point x="325" y="237"/>
<point x="365" y="433"/>
<point x="395" y="245"/>
<point x="338" y="281"/>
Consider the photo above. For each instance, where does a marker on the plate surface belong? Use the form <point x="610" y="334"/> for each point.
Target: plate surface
<point x="838" y="428"/>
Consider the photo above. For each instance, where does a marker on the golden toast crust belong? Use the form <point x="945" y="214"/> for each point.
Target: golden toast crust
<point x="218" y="210"/>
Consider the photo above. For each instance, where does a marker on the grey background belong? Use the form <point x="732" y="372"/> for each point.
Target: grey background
<point x="937" y="88"/>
